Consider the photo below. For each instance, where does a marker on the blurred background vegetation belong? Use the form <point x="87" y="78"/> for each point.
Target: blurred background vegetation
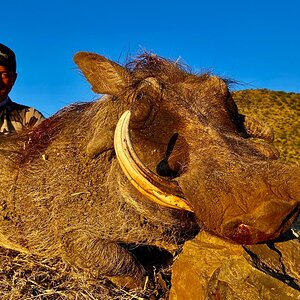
<point x="279" y="110"/>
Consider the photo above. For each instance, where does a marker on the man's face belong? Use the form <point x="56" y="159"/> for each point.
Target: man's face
<point x="7" y="80"/>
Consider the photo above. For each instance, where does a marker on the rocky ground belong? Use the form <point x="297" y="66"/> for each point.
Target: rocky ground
<point x="211" y="268"/>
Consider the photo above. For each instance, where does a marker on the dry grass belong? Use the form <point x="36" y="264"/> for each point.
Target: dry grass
<point x="30" y="277"/>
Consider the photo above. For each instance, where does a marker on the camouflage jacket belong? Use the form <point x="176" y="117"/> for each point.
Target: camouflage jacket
<point x="16" y="117"/>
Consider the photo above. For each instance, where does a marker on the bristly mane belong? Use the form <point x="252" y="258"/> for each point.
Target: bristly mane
<point x="151" y="65"/>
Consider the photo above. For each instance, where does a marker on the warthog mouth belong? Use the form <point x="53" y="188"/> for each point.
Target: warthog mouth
<point x="162" y="191"/>
<point x="249" y="234"/>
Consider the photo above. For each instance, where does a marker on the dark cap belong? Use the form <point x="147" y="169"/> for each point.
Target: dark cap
<point x="7" y="58"/>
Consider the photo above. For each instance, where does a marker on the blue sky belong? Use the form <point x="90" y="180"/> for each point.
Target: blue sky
<point x="255" y="42"/>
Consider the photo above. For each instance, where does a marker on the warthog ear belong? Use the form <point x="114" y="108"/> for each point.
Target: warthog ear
<point x="105" y="76"/>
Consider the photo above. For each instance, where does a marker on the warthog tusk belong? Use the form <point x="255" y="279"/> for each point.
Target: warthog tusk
<point x="143" y="179"/>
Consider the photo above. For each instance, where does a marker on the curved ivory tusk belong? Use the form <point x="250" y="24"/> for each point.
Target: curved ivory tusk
<point x="143" y="179"/>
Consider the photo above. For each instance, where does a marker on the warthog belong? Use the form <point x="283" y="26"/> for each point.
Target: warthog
<point x="162" y="153"/>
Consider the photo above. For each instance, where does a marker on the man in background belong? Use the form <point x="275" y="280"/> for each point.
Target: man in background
<point x="14" y="117"/>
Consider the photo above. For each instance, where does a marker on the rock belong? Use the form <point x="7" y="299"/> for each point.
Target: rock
<point x="212" y="268"/>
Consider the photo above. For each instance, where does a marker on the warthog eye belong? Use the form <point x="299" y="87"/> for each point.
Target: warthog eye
<point x="139" y="96"/>
<point x="163" y="168"/>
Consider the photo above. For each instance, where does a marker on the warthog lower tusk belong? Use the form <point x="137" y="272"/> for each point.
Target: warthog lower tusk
<point x="140" y="176"/>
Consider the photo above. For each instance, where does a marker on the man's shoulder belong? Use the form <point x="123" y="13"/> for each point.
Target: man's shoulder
<point x="17" y="116"/>
<point x="16" y="106"/>
<point x="25" y="111"/>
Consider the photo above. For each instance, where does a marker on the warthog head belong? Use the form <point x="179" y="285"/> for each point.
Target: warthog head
<point x="182" y="143"/>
